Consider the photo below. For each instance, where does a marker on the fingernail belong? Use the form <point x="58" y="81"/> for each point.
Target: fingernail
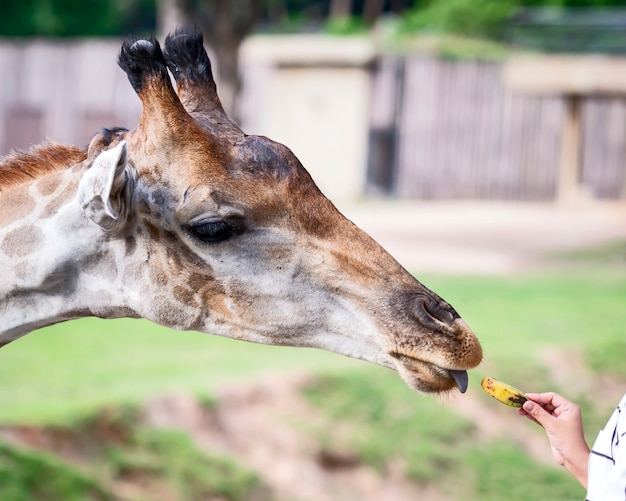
<point x="528" y="405"/>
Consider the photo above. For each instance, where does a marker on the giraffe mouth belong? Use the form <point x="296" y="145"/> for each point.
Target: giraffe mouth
<point x="428" y="377"/>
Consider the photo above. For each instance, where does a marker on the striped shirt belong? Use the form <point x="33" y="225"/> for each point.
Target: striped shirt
<point x="607" y="461"/>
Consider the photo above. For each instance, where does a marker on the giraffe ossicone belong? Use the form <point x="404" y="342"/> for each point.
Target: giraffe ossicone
<point x="190" y="223"/>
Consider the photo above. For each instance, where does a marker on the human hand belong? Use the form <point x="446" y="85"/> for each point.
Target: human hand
<point x="562" y="421"/>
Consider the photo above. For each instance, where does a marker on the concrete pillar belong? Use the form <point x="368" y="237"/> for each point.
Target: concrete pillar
<point x="314" y="97"/>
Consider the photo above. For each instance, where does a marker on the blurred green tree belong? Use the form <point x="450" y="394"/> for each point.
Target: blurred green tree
<point x="225" y="23"/>
<point x="64" y="18"/>
<point x="481" y="18"/>
<point x="463" y="17"/>
<point x="573" y="3"/>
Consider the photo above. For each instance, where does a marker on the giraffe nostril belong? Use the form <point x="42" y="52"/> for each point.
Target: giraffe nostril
<point x="433" y="312"/>
<point x="441" y="311"/>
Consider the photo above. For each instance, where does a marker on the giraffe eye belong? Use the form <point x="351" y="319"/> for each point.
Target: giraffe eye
<point x="214" y="231"/>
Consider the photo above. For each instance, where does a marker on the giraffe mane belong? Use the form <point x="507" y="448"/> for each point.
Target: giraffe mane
<point x="20" y="167"/>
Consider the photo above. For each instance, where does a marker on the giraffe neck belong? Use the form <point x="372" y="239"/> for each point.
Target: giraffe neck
<point x="51" y="268"/>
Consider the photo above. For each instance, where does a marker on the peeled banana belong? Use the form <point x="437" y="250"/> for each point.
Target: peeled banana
<point x="503" y="392"/>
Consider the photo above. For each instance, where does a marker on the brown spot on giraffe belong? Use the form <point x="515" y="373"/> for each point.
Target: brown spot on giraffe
<point x="185" y="295"/>
<point x="153" y="231"/>
<point x="22" y="241"/>
<point x="58" y="201"/>
<point x="19" y="204"/>
<point x="48" y="185"/>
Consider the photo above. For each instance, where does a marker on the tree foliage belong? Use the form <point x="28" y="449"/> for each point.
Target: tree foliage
<point x="463" y="17"/>
<point x="63" y="18"/>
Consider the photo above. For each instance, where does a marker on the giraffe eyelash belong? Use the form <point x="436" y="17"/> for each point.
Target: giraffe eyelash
<point x="214" y="231"/>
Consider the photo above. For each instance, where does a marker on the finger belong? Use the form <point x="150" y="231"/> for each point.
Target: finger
<point x="534" y="410"/>
<point x="542" y="398"/>
<point x="549" y="401"/>
<point x="522" y="412"/>
<point x="549" y="408"/>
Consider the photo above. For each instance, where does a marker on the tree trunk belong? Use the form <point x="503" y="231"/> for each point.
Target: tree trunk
<point x="277" y="11"/>
<point x="169" y="16"/>
<point x="340" y="8"/>
<point x="371" y="10"/>
<point x="224" y="24"/>
<point x="228" y="77"/>
<point x="398" y="6"/>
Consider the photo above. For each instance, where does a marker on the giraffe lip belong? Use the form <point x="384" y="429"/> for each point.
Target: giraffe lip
<point x="413" y="364"/>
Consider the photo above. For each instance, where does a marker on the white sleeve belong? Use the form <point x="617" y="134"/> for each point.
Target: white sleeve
<point x="607" y="462"/>
<point x="616" y="480"/>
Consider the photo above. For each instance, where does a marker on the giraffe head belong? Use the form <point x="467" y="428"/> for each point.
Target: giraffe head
<point x="226" y="233"/>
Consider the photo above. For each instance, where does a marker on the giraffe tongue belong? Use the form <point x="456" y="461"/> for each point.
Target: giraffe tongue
<point x="460" y="378"/>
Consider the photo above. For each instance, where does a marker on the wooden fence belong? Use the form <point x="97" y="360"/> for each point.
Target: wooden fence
<point x="451" y="130"/>
<point x="65" y="91"/>
<point x="439" y="129"/>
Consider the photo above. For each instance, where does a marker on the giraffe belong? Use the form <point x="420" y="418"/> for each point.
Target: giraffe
<point x="192" y="224"/>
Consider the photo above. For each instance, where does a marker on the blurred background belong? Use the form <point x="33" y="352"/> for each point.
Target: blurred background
<point x="482" y="142"/>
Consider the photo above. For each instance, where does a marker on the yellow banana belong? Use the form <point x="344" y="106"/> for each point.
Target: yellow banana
<point x="503" y="392"/>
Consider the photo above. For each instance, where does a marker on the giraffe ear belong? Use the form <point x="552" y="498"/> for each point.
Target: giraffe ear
<point x="104" y="191"/>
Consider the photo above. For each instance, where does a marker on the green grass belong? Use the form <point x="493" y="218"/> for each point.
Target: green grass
<point x="384" y="419"/>
<point x="168" y="457"/>
<point x="499" y="471"/>
<point x="73" y="368"/>
<point x="65" y="372"/>
<point x="114" y="449"/>
<point x="33" y="476"/>
<point x="576" y="307"/>
<point x="518" y="318"/>
<point x="577" y="310"/>
<point x="385" y="422"/>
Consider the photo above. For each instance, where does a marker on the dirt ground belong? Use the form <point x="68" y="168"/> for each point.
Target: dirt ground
<point x="244" y="424"/>
<point x="250" y="421"/>
<point x="484" y="237"/>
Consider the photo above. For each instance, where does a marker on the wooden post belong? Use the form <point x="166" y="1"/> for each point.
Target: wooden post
<point x="569" y="184"/>
<point x="574" y="78"/>
<point x="623" y="193"/>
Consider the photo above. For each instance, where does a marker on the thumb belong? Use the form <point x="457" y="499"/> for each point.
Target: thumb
<point x="538" y="413"/>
